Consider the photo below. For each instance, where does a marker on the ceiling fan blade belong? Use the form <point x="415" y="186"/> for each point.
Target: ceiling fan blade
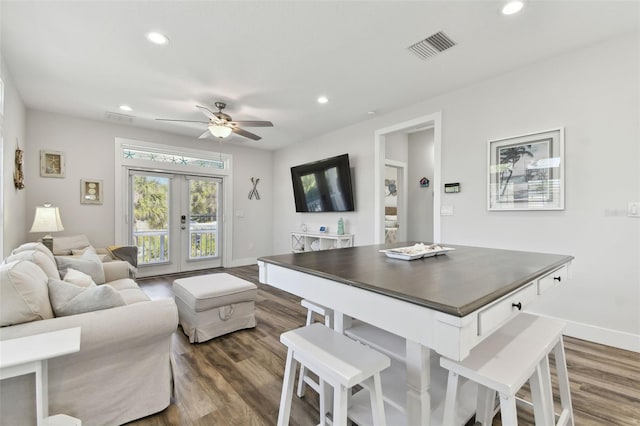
<point x="184" y="121"/>
<point x="246" y="134"/>
<point x="252" y="123"/>
<point x="207" y="112"/>
<point x="205" y="135"/>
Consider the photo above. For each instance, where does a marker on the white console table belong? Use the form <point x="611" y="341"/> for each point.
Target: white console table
<point x="30" y="354"/>
<point x="302" y="241"/>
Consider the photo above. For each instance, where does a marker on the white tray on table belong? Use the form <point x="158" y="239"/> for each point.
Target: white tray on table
<point x="417" y="251"/>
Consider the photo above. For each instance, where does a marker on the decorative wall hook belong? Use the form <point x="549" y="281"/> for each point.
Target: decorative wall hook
<point x="18" y="174"/>
<point x="254" y="191"/>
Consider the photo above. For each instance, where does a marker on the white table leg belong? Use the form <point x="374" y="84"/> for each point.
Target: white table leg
<point x="42" y="391"/>
<point x="341" y="322"/>
<point x="418" y="384"/>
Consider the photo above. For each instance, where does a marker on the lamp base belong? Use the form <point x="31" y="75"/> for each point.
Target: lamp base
<point x="47" y="240"/>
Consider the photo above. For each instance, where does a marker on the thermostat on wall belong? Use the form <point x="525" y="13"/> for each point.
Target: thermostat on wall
<point x="452" y="187"/>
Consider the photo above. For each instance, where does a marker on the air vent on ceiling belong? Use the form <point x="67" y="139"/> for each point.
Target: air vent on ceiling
<point x="432" y="45"/>
<point x="120" y="118"/>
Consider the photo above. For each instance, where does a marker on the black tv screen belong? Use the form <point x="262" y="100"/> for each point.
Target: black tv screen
<point x="323" y="186"/>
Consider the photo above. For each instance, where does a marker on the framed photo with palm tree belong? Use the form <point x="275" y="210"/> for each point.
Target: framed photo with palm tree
<point x="527" y="172"/>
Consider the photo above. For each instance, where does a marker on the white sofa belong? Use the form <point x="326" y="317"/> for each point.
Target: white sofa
<point x="123" y="370"/>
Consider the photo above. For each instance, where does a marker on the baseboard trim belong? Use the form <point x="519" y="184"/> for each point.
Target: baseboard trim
<point x="243" y="262"/>
<point x="604" y="336"/>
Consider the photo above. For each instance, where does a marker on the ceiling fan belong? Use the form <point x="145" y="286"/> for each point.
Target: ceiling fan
<point x="221" y="124"/>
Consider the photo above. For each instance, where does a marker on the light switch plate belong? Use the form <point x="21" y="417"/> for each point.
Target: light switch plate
<point x="446" y="210"/>
<point x="634" y="209"/>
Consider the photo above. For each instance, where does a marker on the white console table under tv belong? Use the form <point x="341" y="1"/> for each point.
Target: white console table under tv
<point x="305" y="241"/>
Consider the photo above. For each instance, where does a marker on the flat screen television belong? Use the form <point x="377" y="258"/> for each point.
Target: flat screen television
<point x="323" y="186"/>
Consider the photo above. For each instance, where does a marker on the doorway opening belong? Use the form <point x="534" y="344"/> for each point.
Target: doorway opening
<point x="405" y="211"/>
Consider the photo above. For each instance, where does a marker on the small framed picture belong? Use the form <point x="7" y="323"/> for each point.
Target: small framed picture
<point x="323" y="229"/>
<point x="52" y="164"/>
<point x="91" y="191"/>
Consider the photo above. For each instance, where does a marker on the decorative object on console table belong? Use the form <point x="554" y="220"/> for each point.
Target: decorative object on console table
<point x="91" y="191"/>
<point x="52" y="164"/>
<point x="527" y="172"/>
<point x="47" y="219"/>
<point x="340" y="226"/>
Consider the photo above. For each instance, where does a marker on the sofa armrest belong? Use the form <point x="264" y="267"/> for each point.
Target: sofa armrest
<point x="115" y="270"/>
<point x="109" y="330"/>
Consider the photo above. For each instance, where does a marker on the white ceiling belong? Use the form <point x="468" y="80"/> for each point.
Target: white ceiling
<point x="271" y="60"/>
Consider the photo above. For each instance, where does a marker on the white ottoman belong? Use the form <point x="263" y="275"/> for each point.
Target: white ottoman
<point x="216" y="304"/>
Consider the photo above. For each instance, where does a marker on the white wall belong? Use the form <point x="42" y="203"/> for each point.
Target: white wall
<point x="594" y="94"/>
<point x="15" y="217"/>
<point x="89" y="149"/>
<point x="420" y="206"/>
<point x="360" y="222"/>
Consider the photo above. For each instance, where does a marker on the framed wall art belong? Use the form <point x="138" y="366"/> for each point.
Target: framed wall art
<point x="527" y="172"/>
<point x="91" y="191"/>
<point x="52" y="164"/>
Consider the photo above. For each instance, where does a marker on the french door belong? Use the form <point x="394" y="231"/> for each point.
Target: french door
<point x="176" y="221"/>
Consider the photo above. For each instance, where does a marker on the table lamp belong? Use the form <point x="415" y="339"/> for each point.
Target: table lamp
<point x="47" y="219"/>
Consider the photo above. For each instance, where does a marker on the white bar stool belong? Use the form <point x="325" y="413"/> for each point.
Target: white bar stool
<point x="504" y="362"/>
<point x="339" y="362"/>
<point x="304" y="378"/>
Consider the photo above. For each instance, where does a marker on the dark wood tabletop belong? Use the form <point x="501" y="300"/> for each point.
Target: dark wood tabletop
<point x="457" y="283"/>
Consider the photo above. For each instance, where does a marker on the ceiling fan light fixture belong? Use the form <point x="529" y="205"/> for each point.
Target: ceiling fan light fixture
<point x="220" y="131"/>
<point x="512" y="7"/>
<point x="157" y="38"/>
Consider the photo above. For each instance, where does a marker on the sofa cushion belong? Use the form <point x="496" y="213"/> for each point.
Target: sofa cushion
<point x="44" y="261"/>
<point x="62" y="246"/>
<point x="89" y="263"/>
<point x="68" y="299"/>
<point x="78" y="278"/>
<point x="123" y="284"/>
<point x="133" y="295"/>
<point x="24" y="296"/>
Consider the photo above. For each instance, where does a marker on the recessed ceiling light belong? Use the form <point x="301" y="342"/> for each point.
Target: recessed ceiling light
<point x="512" y="7"/>
<point x="126" y="108"/>
<point x="371" y="112"/>
<point x="323" y="100"/>
<point x="157" y="38"/>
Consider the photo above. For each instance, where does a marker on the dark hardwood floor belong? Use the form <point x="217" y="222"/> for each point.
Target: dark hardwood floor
<point x="236" y="379"/>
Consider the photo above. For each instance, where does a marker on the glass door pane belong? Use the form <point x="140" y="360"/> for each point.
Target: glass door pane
<point x="203" y="247"/>
<point x="203" y="218"/>
<point x="150" y="213"/>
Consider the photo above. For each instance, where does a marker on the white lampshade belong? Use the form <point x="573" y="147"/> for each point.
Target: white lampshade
<point x="220" y="131"/>
<point x="47" y="219"/>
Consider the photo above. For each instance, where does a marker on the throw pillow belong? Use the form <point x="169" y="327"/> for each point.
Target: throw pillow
<point x="78" y="278"/>
<point x="44" y="261"/>
<point x="68" y="299"/>
<point x="89" y="263"/>
<point x="34" y="246"/>
<point x="23" y="293"/>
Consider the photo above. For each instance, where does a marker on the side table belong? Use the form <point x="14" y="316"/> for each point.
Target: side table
<point x="30" y="354"/>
